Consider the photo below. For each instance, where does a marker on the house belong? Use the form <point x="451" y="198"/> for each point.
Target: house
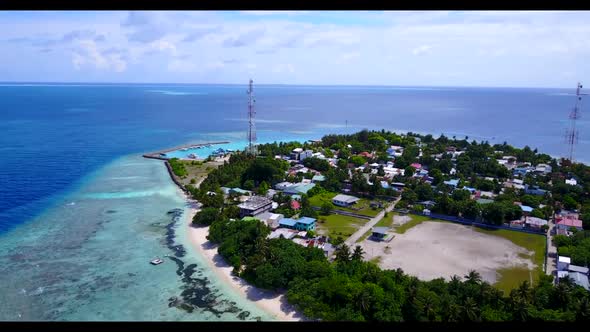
<point x="571" y="182"/>
<point x="518" y="223"/>
<point x="453" y="171"/>
<point x="563" y="263"/>
<point x="379" y="233"/>
<point x="295" y="205"/>
<point x="543" y="169"/>
<point x="301" y="224"/>
<point x="270" y="219"/>
<point x="366" y="154"/>
<point x="283" y="185"/>
<point x="298" y="189"/>
<point x="305" y="154"/>
<point x="416" y="165"/>
<point x="426" y="212"/>
<point x="318" y="178"/>
<point x="344" y="200"/>
<point x="484" y="201"/>
<point x="578" y="274"/>
<point x="453" y="183"/>
<point x="565" y="221"/>
<point x="376" y="204"/>
<point x="282" y="232"/>
<point x="526" y="209"/>
<point x="536" y="223"/>
<point x="295" y="153"/>
<point x="534" y="190"/>
<point x="240" y="191"/>
<point x="427" y="204"/>
<point x="255" y="205"/>
<point x="520" y="171"/>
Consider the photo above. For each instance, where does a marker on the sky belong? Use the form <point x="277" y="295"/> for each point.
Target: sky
<point x="411" y="48"/>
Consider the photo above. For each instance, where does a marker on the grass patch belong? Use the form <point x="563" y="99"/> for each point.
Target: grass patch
<point x="196" y="170"/>
<point x="339" y="225"/>
<point x="511" y="278"/>
<point x="366" y="210"/>
<point x="386" y="221"/>
<point x="365" y="236"/>
<point x="415" y="220"/>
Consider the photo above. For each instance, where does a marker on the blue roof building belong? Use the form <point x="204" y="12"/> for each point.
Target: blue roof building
<point x="301" y="224"/>
<point x="452" y="183"/>
<point x="526" y="208"/>
<point x="299" y="189"/>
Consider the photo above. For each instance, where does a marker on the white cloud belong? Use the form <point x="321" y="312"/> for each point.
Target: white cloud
<point x="181" y="66"/>
<point x="423" y="49"/>
<point x="89" y="54"/>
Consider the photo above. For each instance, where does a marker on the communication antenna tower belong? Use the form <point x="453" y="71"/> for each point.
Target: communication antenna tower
<point x="251" y="113"/>
<point x="572" y="134"/>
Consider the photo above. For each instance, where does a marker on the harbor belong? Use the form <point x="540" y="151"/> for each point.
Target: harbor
<point x="201" y="151"/>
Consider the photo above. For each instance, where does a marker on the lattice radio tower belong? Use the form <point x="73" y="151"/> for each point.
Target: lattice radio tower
<point x="251" y="113"/>
<point x="572" y="133"/>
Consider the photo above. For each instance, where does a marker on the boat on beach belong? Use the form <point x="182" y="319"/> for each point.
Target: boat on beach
<point x="192" y="156"/>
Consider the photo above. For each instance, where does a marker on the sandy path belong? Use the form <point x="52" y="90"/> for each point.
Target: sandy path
<point x="274" y="303"/>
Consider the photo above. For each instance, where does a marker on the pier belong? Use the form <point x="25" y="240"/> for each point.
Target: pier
<point x="158" y="154"/>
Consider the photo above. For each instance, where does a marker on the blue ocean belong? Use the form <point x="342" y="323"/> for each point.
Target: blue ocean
<point x="81" y="212"/>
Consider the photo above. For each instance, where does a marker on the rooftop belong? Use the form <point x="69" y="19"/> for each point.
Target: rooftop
<point x="345" y="198"/>
<point x="526" y="208"/>
<point x="576" y="268"/>
<point x="287" y="222"/>
<point x="380" y="230"/>
<point x="305" y="220"/>
<point x="255" y="203"/>
<point x="564" y="259"/>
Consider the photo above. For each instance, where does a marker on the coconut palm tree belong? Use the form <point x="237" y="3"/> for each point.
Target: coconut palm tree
<point x="343" y="254"/>
<point x="358" y="253"/>
<point x="470" y="310"/>
<point x="583" y="312"/>
<point x="473" y="277"/>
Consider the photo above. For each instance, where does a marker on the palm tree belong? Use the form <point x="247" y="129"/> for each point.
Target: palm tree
<point x="473" y="277"/>
<point x="454" y="284"/>
<point x="524" y="292"/>
<point x="453" y="313"/>
<point x="583" y="313"/>
<point x="343" y="254"/>
<point x="358" y="253"/>
<point x="470" y="310"/>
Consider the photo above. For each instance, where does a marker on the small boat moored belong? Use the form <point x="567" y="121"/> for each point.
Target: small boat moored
<point x="156" y="261"/>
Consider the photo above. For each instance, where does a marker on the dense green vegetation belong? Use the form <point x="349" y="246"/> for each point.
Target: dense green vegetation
<point x="350" y="289"/>
<point x="177" y="167"/>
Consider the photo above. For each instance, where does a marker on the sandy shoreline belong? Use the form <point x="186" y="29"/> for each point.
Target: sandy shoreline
<point x="273" y="303"/>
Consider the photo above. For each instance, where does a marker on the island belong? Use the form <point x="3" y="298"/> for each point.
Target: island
<point x="381" y="226"/>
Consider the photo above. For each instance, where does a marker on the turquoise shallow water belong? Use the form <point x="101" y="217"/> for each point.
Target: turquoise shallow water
<point x="88" y="258"/>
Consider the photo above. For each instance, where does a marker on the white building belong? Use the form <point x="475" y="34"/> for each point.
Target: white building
<point x="563" y="263"/>
<point x="571" y="182"/>
<point x="344" y="200"/>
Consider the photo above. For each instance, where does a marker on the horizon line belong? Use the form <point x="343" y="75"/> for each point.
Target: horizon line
<point x="272" y="84"/>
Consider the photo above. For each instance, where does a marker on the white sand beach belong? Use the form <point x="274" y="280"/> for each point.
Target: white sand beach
<point x="272" y="302"/>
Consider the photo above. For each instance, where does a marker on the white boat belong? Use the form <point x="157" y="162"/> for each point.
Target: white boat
<point x="156" y="261"/>
<point x="184" y="149"/>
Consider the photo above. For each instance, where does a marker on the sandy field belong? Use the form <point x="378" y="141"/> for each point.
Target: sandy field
<point x="274" y="303"/>
<point x="432" y="250"/>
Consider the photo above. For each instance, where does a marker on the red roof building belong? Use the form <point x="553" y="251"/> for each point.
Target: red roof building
<point x="416" y="165"/>
<point x="295" y="205"/>
<point x="567" y="221"/>
<point x="365" y="154"/>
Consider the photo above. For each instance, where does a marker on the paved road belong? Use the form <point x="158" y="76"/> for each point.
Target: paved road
<point x="551" y="251"/>
<point x="352" y="239"/>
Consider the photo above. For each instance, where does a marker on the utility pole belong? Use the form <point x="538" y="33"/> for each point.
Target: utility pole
<point x="572" y="133"/>
<point x="251" y="113"/>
